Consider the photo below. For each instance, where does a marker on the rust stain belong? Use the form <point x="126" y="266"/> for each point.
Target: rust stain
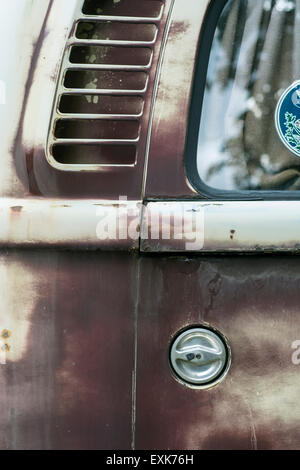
<point x="232" y="233"/>
<point x="16" y="208"/>
<point x="179" y="30"/>
<point x="6" y="334"/>
<point x="33" y="185"/>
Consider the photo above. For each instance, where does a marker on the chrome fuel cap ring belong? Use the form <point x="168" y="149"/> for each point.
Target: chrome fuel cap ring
<point x="200" y="357"/>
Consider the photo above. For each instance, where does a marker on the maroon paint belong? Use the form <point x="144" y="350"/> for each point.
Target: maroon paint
<point x="255" y="303"/>
<point x="72" y="388"/>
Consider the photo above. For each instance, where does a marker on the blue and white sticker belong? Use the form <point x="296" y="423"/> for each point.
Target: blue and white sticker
<point x="287" y="118"/>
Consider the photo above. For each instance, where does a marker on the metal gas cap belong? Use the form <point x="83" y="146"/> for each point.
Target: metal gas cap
<point x="200" y="357"/>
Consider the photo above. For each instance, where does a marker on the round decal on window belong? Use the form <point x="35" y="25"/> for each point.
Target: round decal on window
<point x="287" y="118"/>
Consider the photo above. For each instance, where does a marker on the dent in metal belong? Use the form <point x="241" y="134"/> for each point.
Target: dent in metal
<point x="166" y="174"/>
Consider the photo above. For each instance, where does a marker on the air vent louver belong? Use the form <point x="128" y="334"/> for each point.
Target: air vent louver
<point x="99" y="105"/>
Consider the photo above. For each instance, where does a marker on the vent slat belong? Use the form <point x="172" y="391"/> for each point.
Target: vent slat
<point x="151" y="8"/>
<point x="97" y="141"/>
<point x="124" y="68"/>
<point x="118" y="32"/>
<point x="87" y="157"/>
<point x="108" y="43"/>
<point x="104" y="80"/>
<point x="90" y="129"/>
<point x="125" y="19"/>
<point x="93" y="91"/>
<point x="110" y="117"/>
<point x="101" y="104"/>
<point x="110" y="56"/>
<point x="95" y="79"/>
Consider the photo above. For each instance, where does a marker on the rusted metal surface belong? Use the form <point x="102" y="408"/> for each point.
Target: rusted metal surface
<point x="66" y="375"/>
<point x="29" y="174"/>
<point x="173" y="226"/>
<point x="154" y="227"/>
<point x="86" y="224"/>
<point x="28" y="171"/>
<point x="255" y="304"/>
<point x="85" y="339"/>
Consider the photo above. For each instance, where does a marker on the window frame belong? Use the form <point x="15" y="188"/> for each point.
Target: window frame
<point x="207" y="33"/>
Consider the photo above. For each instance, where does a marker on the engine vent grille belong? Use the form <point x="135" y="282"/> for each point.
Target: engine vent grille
<point x="100" y="100"/>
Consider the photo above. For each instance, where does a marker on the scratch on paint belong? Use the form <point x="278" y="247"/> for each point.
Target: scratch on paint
<point x="252" y="428"/>
<point x="134" y="371"/>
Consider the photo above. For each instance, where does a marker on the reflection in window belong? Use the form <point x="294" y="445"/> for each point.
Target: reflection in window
<point x="255" y="56"/>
